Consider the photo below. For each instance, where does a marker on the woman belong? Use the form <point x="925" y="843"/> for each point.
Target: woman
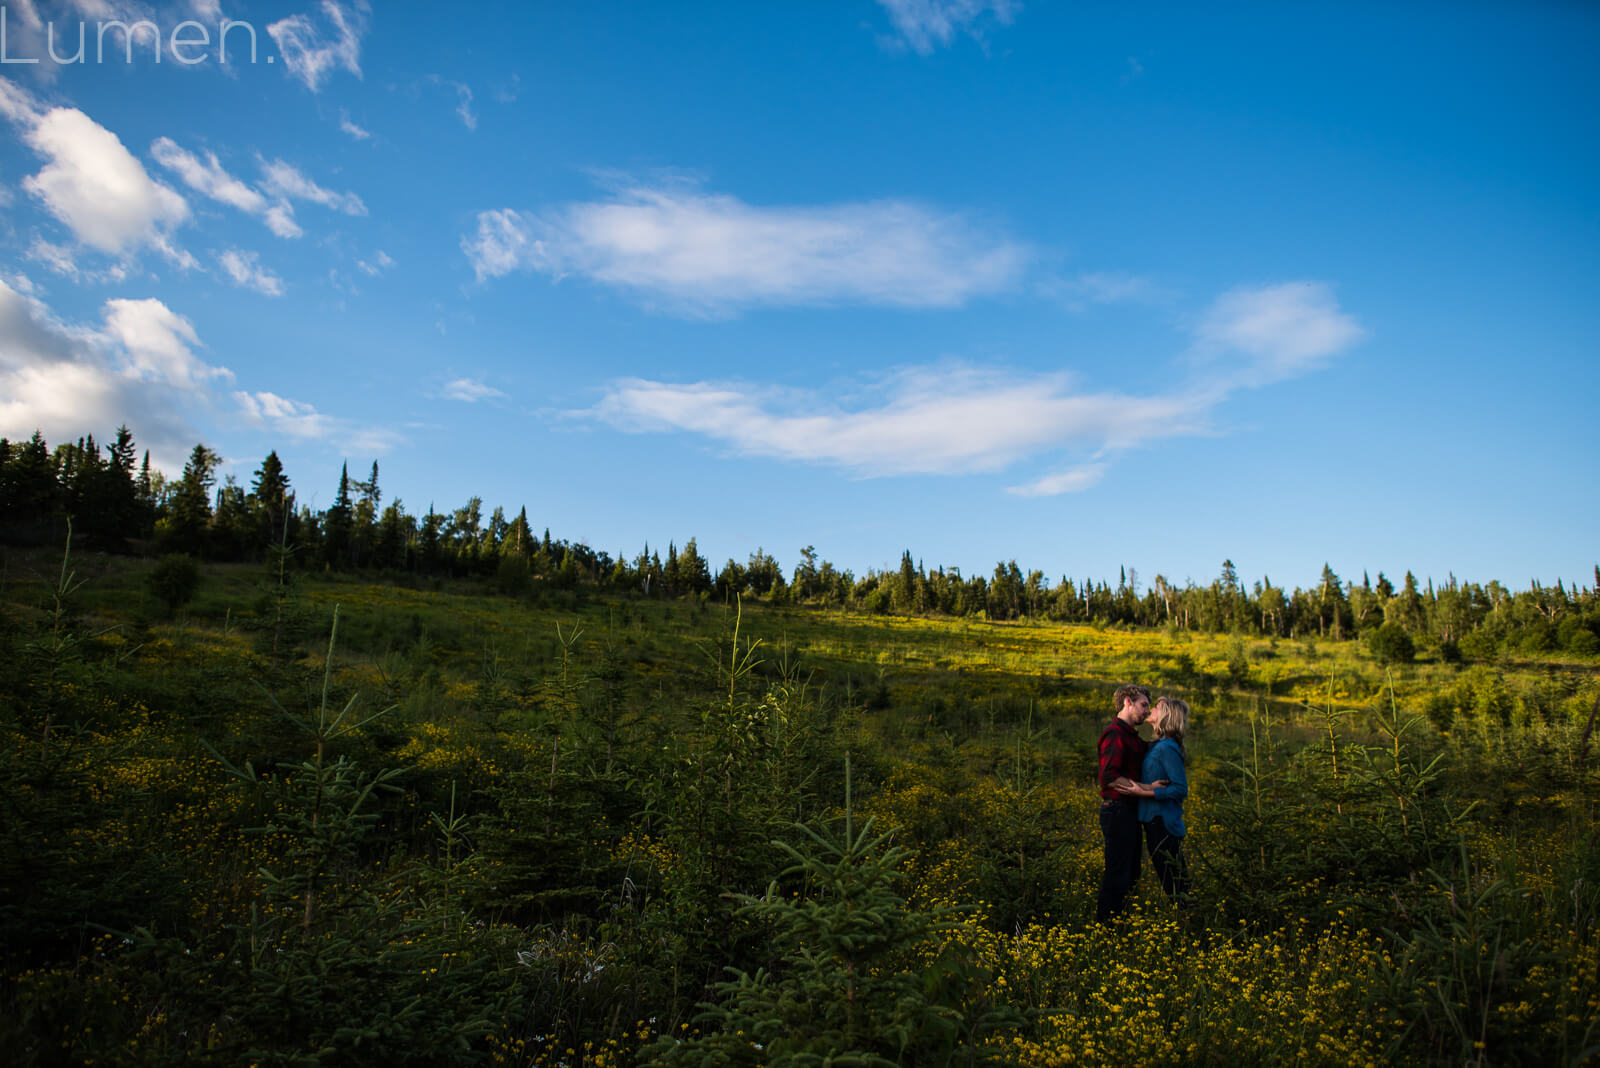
<point x="1161" y="799"/>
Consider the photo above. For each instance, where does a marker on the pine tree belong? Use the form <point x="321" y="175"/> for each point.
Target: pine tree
<point x="188" y="520"/>
<point x="337" y="521"/>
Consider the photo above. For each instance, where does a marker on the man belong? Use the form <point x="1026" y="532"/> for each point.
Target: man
<point x="1121" y="763"/>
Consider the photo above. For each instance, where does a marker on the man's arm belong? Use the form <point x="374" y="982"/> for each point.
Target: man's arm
<point x="1110" y="757"/>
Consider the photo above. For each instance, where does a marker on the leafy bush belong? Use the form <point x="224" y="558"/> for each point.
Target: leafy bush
<point x="174" y="581"/>
<point x="1391" y="644"/>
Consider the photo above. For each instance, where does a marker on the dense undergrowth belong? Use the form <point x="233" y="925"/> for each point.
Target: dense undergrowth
<point x="334" y="820"/>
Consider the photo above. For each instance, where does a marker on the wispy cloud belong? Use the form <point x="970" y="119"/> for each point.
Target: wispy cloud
<point x="93" y="185"/>
<point x="297" y="419"/>
<point x="943" y="419"/>
<point x="347" y="125"/>
<point x="924" y="25"/>
<point x="709" y="254"/>
<point x="471" y="390"/>
<point x="1261" y="334"/>
<point x="952" y="419"/>
<point x="244" y="269"/>
<point x="1088" y="288"/>
<point x="463" y="95"/>
<point x="272" y="201"/>
<point x="285" y="181"/>
<point x="1068" y="480"/>
<point x="381" y="261"/>
<point x="207" y="176"/>
<point x="313" y="49"/>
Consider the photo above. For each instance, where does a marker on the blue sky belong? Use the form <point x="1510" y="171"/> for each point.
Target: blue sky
<point x="1089" y="286"/>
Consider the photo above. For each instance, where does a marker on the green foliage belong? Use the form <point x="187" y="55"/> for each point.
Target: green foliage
<point x="174" y="581"/>
<point x="860" y="978"/>
<point x="1474" y="953"/>
<point x="1390" y="644"/>
<point x="1333" y="831"/>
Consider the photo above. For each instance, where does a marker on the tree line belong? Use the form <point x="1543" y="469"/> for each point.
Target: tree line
<point x="116" y="505"/>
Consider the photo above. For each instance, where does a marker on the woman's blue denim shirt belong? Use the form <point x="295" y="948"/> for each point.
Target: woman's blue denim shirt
<point x="1165" y="761"/>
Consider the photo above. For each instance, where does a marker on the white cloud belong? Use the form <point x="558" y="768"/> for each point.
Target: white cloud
<point x="1071" y="480"/>
<point x="17" y="104"/>
<point x="470" y="390"/>
<point x="280" y="220"/>
<point x="956" y="419"/>
<point x="924" y="25"/>
<point x="1279" y="330"/>
<point x="380" y="262"/>
<point x="281" y="184"/>
<point x="245" y="271"/>
<point x="93" y="184"/>
<point x="348" y="125"/>
<point x="463" y="94"/>
<point x="926" y="420"/>
<point x="138" y="368"/>
<point x="157" y="344"/>
<point x="272" y="202"/>
<point x="57" y="258"/>
<point x="1102" y="287"/>
<point x="313" y="51"/>
<point x="507" y="91"/>
<point x="711" y="254"/>
<point x="285" y="181"/>
<point x="502" y="244"/>
<point x="207" y="177"/>
<point x="297" y="419"/>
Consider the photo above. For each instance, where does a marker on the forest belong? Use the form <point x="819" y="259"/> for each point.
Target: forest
<point x="118" y="507"/>
<point x="358" y="786"/>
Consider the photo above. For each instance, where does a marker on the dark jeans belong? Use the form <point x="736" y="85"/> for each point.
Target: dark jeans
<point x="1166" y="856"/>
<point x="1119" y="824"/>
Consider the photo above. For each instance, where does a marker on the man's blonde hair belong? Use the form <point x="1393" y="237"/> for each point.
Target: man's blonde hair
<point x="1174" y="722"/>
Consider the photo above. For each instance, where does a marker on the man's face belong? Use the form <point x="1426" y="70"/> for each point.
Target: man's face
<point x="1136" y="708"/>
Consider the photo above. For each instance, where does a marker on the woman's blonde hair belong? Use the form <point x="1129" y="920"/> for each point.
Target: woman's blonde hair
<point x="1171" y="718"/>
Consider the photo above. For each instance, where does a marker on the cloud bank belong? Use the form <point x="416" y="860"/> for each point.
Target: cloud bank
<point x="140" y="365"/>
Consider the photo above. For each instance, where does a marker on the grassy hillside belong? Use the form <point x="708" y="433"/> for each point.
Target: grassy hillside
<point x="561" y="828"/>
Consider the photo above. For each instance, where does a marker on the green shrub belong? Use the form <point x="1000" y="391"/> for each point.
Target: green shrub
<point x="1390" y="644"/>
<point x="174" y="581"/>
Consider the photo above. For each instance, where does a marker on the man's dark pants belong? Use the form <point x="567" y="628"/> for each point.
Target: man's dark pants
<point x="1119" y="824"/>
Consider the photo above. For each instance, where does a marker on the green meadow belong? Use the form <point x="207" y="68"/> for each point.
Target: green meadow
<point x="353" y="818"/>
